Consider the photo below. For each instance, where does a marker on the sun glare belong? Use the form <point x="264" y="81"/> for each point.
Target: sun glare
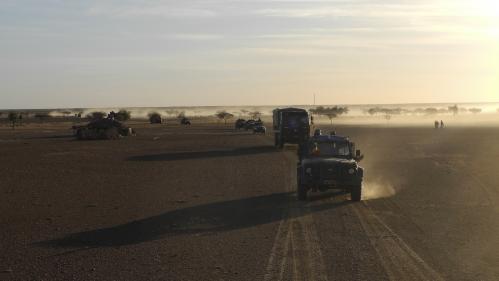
<point x="486" y="14"/>
<point x="487" y="8"/>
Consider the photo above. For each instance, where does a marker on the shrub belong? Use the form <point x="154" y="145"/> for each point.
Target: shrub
<point x="475" y="110"/>
<point x="13" y="117"/>
<point x="330" y="112"/>
<point x="224" y="115"/>
<point x="123" y="115"/>
<point x="155" y="118"/>
<point x="96" y="115"/>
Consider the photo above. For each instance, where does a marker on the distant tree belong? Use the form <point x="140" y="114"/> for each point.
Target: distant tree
<point x="155" y="118"/>
<point x="123" y="115"/>
<point x="66" y="113"/>
<point x="386" y="111"/>
<point x="317" y="111"/>
<point x="475" y="110"/>
<point x="373" y="111"/>
<point x="255" y="114"/>
<point x="244" y="111"/>
<point x="42" y="115"/>
<point x="430" y="111"/>
<point x="171" y="112"/>
<point x="13" y="117"/>
<point x="329" y="112"/>
<point x="181" y="115"/>
<point x="96" y="115"/>
<point x="454" y="109"/>
<point x="224" y="115"/>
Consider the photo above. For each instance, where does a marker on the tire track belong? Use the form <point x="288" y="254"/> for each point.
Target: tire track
<point x="296" y="253"/>
<point x="399" y="261"/>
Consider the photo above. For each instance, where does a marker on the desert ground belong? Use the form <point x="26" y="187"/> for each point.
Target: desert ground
<point x="209" y="203"/>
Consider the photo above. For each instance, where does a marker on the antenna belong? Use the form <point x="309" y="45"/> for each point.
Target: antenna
<point x="314" y="99"/>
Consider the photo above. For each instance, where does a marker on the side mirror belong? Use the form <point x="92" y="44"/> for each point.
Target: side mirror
<point x="358" y="155"/>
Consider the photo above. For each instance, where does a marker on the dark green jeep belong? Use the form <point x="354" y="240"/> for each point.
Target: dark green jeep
<point x="329" y="162"/>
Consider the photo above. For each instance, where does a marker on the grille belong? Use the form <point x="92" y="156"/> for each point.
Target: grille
<point x="331" y="172"/>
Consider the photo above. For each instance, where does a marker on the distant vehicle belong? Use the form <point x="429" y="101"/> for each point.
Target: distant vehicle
<point x="259" y="129"/>
<point x="250" y="124"/>
<point x="329" y="162"/>
<point x="240" y="124"/>
<point x="155" y="118"/>
<point x="291" y="125"/>
<point x="107" y="128"/>
<point x="185" y="121"/>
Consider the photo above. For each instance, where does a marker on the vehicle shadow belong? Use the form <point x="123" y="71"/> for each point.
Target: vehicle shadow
<point x="318" y="196"/>
<point x="173" y="156"/>
<point x="205" y="219"/>
<point x="67" y="136"/>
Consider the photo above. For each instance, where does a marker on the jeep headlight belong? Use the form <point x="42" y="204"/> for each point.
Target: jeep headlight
<point x="351" y="171"/>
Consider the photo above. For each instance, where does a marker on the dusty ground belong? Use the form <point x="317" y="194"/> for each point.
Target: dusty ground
<point x="208" y="203"/>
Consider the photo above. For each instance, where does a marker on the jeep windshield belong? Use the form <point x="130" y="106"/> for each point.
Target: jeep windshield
<point x="295" y="120"/>
<point x="329" y="149"/>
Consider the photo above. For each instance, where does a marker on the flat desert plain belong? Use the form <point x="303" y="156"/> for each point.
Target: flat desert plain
<point x="206" y="202"/>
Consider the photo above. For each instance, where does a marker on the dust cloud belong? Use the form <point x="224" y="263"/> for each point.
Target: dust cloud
<point x="377" y="189"/>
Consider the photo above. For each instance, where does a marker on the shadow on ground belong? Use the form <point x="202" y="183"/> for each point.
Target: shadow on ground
<point x="50" y="137"/>
<point x="208" y="218"/>
<point x="174" y="156"/>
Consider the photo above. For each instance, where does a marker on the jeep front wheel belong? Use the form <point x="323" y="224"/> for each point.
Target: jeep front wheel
<point x="356" y="193"/>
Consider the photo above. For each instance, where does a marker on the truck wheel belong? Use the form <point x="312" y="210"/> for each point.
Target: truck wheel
<point x="356" y="193"/>
<point x="302" y="192"/>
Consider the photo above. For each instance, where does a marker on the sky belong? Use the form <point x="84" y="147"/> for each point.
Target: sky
<point x="101" y="53"/>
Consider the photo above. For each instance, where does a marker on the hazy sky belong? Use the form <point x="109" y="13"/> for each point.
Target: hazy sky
<point x="87" y="53"/>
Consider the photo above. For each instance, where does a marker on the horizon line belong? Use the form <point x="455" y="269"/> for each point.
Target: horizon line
<point x="266" y="105"/>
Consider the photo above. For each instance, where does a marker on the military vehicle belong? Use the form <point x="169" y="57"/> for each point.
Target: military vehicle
<point x="329" y="162"/>
<point x="259" y="129"/>
<point x="106" y="128"/>
<point x="185" y="121"/>
<point x="291" y="125"/>
<point x="251" y="124"/>
<point x="239" y="124"/>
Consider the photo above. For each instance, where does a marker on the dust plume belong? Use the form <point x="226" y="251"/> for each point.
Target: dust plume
<point x="375" y="189"/>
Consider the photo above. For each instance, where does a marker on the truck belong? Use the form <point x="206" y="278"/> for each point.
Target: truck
<point x="291" y="125"/>
<point x="329" y="162"/>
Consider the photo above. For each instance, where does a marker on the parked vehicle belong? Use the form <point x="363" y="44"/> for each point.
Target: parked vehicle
<point x="259" y="129"/>
<point x="107" y="128"/>
<point x="185" y="121"/>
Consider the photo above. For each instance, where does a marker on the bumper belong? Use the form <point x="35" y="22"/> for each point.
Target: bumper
<point x="332" y="183"/>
